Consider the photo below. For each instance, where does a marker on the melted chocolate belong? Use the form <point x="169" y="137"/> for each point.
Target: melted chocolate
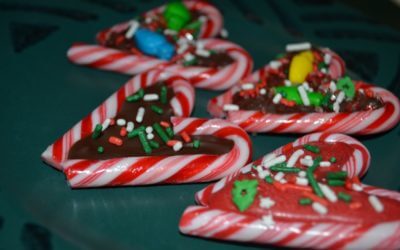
<point x="215" y="60"/>
<point x="86" y="148"/>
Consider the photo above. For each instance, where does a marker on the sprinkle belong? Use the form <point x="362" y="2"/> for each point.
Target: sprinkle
<point x="306" y="162"/>
<point x="274" y="161"/>
<point x="324" y="70"/>
<point x="294" y="157"/>
<point x="328" y="192"/>
<point x="196" y="143"/>
<point x="306" y="86"/>
<point x="224" y="33"/>
<point x="344" y="197"/>
<point x="100" y="149"/>
<point x="231" y="107"/>
<point x="287" y="102"/>
<point x="332" y="159"/>
<point x="135" y="97"/>
<point x="149" y="129"/>
<point x="185" y="136"/>
<point x="324" y="164"/>
<point x="283" y="181"/>
<point x="302" y="174"/>
<point x="106" y="123"/>
<point x="355" y="205"/>
<point x="182" y="48"/>
<point x="164" y="124"/>
<point x="150" y="97"/>
<point x="170" y="132"/>
<point x="305" y="201"/>
<point x="266" y="202"/>
<point x="339" y="99"/>
<point x="145" y="143"/>
<point x="121" y="122"/>
<point x="203" y="53"/>
<point x="160" y="131"/>
<point x="376" y="203"/>
<point x="303" y="95"/>
<point x="148" y="19"/>
<point x="123" y="132"/>
<point x="357" y="187"/>
<point x="133" y="26"/>
<point x="298" y="46"/>
<point x="115" y="141"/>
<point x="316" y="163"/>
<point x="275" y="64"/>
<point x="268" y="220"/>
<point x="97" y="131"/>
<point x="313" y="183"/>
<point x="177" y="146"/>
<point x="337" y="175"/>
<point x="154" y="144"/>
<point x="262" y="173"/>
<point x="287" y="82"/>
<point x="327" y="58"/>
<point x="285" y="169"/>
<point x="319" y="208"/>
<point x="336" y="183"/>
<point x="311" y="148"/>
<point x="268" y="157"/>
<point x="246" y="169"/>
<point x="308" y="157"/>
<point x="189" y="57"/>
<point x="150" y="136"/>
<point x="157" y="109"/>
<point x="140" y="115"/>
<point x="301" y="181"/>
<point x="277" y="98"/>
<point x="269" y="179"/>
<point x="163" y="94"/>
<point x="263" y="91"/>
<point x="279" y="176"/>
<point x="247" y="86"/>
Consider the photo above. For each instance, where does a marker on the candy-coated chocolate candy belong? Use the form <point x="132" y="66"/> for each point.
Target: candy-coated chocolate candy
<point x="300" y="66"/>
<point x="153" y="43"/>
<point x="177" y="15"/>
<point x="347" y="86"/>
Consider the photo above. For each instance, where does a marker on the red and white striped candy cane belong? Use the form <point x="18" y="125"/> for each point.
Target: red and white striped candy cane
<point x="362" y="122"/>
<point x="101" y="57"/>
<point x="182" y="105"/>
<point x="209" y="222"/>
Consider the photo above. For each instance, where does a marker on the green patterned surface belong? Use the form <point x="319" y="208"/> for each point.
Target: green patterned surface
<point x="44" y="95"/>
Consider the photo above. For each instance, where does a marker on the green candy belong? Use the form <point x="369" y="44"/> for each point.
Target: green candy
<point x="177" y="15"/>
<point x="347" y="86"/>
<point x="291" y="93"/>
<point x="243" y="193"/>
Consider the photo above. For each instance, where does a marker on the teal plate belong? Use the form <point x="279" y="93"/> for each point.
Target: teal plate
<point x="43" y="95"/>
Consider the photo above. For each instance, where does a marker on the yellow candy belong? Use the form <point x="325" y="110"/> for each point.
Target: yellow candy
<point x="300" y="67"/>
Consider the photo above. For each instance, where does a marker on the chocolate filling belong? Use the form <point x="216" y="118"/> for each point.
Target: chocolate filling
<point x="87" y="148"/>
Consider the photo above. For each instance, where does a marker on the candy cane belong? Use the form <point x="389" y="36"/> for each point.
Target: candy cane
<point x="101" y="57"/>
<point x="182" y="105"/>
<point x="221" y="224"/>
<point x="361" y="122"/>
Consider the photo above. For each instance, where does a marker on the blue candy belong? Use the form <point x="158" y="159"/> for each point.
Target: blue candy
<point x="154" y="44"/>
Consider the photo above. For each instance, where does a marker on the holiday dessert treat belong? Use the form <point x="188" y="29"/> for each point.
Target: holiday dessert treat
<point x="306" y="91"/>
<point x="136" y="137"/>
<point x="167" y="38"/>
<point x="306" y="194"/>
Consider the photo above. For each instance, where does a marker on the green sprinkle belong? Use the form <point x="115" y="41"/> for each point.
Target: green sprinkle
<point x="279" y="56"/>
<point x="305" y="201"/>
<point x="332" y="159"/>
<point x="97" y="131"/>
<point x="194" y="25"/>
<point x="312" y="148"/>
<point x="285" y="169"/>
<point x="163" y="94"/>
<point x="316" y="162"/>
<point x="160" y="131"/>
<point x="312" y="181"/>
<point x="190" y="62"/>
<point x="196" y="143"/>
<point x="145" y="143"/>
<point x="345" y="197"/>
<point x="269" y="179"/>
<point x="243" y="193"/>
<point x="135" y="132"/>
<point x="157" y="109"/>
<point x="154" y="144"/>
<point x="100" y="149"/>
<point x="135" y="97"/>
<point x="322" y="65"/>
<point x="170" y="132"/>
<point x="339" y="175"/>
<point x="335" y="182"/>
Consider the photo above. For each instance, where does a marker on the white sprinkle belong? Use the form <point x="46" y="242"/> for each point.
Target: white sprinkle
<point x="224" y="33"/>
<point x="140" y="115"/>
<point x="129" y="127"/>
<point x="182" y="48"/>
<point x="268" y="221"/>
<point x="275" y="64"/>
<point x="301" y="181"/>
<point x="177" y="146"/>
<point x="148" y="19"/>
<point x="277" y="160"/>
<point x="287" y="82"/>
<point x="308" y="157"/>
<point x="376" y="203"/>
<point x="283" y="181"/>
<point x="189" y="36"/>
<point x="333" y="97"/>
<point x="199" y="45"/>
<point x="340" y="97"/>
<point x="263" y="91"/>
<point x="106" y="123"/>
<point x="121" y="122"/>
<point x="170" y="32"/>
<point x="302" y="174"/>
<point x="203" y="19"/>
<point x="319" y="208"/>
<point x="264" y="173"/>
<point x="332" y="86"/>
<point x="324" y="164"/>
<point x="247" y="86"/>
<point x="150" y="136"/>
<point x="202" y="52"/>
<point x="324" y="70"/>
<point x="188" y="57"/>
<point x="149" y="129"/>
<point x="268" y="157"/>
<point x="327" y="58"/>
<point x="279" y="176"/>
<point x="133" y="26"/>
<point x="266" y="202"/>
<point x="306" y="86"/>
<point x="246" y="169"/>
<point x="150" y="97"/>
<point x="294" y="157"/>
<point x="306" y="162"/>
<point x="298" y="46"/>
<point x="304" y="96"/>
<point x="277" y="98"/>
<point x="181" y="41"/>
<point x="231" y="107"/>
<point x="336" y="107"/>
<point x="328" y="192"/>
<point x="357" y="187"/>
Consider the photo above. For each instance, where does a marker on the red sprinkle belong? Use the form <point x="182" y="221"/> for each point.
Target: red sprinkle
<point x="297" y="187"/>
<point x="355" y="205"/>
<point x="171" y="143"/>
<point x="288" y="103"/>
<point x="369" y="93"/>
<point x="123" y="132"/>
<point x="185" y="136"/>
<point x="115" y="140"/>
<point x="164" y="124"/>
